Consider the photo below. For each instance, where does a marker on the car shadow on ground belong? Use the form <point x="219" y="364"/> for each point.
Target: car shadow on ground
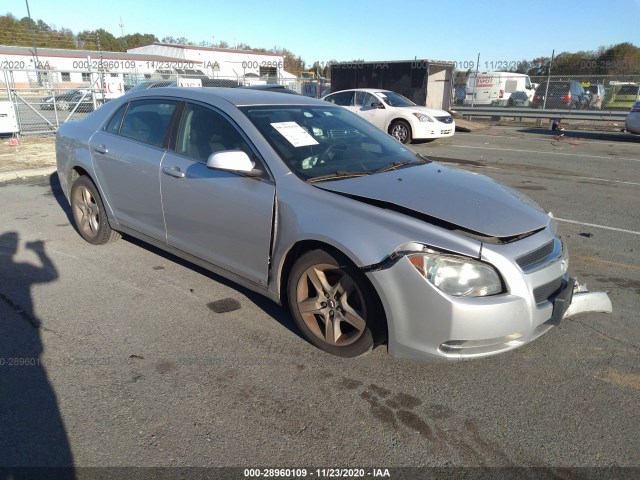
<point x="32" y="431"/>
<point x="280" y="314"/>
<point x="585" y="135"/>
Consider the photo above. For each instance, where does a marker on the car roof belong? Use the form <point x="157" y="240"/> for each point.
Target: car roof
<point x="235" y="96"/>
<point x="270" y="87"/>
<point x="368" y="90"/>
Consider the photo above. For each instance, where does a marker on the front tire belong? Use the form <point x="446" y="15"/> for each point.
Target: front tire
<point x="333" y="304"/>
<point x="401" y="131"/>
<point x="89" y="214"/>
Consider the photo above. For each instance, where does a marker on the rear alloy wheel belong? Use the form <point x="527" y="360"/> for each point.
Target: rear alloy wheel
<point x="89" y="214"/>
<point x="333" y="304"/>
<point x="401" y="131"/>
<point x="62" y="105"/>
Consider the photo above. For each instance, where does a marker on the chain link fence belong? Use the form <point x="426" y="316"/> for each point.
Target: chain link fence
<point x="42" y="100"/>
<point x="614" y="93"/>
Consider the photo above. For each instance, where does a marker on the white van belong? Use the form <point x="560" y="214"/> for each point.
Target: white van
<point x="496" y="88"/>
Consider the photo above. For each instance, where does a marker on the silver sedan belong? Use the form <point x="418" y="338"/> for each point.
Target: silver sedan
<point x="311" y="206"/>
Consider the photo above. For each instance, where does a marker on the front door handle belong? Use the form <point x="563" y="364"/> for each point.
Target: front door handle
<point x="100" y="148"/>
<point x="173" y="171"/>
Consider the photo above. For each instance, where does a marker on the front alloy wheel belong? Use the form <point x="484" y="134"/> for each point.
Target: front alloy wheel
<point x="332" y="304"/>
<point x="401" y="131"/>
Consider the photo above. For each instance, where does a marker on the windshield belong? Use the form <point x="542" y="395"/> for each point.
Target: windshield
<point x="395" y="99"/>
<point x="317" y="141"/>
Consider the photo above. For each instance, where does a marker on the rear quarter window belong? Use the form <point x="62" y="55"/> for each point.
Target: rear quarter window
<point x="114" y="124"/>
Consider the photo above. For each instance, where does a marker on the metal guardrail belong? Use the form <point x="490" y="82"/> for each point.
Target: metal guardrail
<point x="527" y="112"/>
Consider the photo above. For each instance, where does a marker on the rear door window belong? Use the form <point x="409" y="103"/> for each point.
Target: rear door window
<point x="147" y="121"/>
<point x="344" y="99"/>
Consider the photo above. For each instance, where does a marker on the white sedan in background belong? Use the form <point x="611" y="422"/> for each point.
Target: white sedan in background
<point x="395" y="114"/>
<point x="632" y="122"/>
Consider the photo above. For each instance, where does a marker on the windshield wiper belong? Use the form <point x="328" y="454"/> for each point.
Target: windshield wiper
<point x="335" y="175"/>
<point x="397" y="164"/>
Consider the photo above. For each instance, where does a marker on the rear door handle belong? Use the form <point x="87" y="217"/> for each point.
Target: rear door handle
<point x="173" y="171"/>
<point x="100" y="148"/>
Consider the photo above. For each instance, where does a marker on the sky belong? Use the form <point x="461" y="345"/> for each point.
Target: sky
<point x="344" y="30"/>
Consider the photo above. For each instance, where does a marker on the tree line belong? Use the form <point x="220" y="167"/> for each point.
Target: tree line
<point x="620" y="59"/>
<point x="26" y="32"/>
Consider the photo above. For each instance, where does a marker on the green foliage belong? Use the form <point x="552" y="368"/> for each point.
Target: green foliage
<point x="620" y="59"/>
<point x="26" y="33"/>
<point x="139" y="40"/>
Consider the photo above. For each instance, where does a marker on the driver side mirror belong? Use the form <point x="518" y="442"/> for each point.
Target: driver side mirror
<point x="233" y="161"/>
<point x="376" y="104"/>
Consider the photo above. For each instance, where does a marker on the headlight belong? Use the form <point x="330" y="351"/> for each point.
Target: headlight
<point x="423" y="118"/>
<point x="457" y="276"/>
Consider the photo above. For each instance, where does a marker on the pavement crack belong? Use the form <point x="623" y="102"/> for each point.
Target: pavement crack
<point x="26" y="316"/>
<point x="610" y="337"/>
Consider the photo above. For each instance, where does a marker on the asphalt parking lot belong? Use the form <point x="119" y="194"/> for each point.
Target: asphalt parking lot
<point x="131" y="357"/>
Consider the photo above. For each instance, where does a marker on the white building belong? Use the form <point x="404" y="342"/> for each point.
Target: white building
<point x="246" y="66"/>
<point x="26" y="68"/>
<point x="64" y="68"/>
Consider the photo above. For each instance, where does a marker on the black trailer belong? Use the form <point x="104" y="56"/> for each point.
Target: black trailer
<point x="426" y="82"/>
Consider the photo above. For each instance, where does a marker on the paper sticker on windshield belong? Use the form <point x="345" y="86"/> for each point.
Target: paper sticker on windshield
<point x="297" y="136"/>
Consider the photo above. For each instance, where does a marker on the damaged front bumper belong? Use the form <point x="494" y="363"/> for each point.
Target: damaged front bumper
<point x="584" y="301"/>
<point x="426" y="324"/>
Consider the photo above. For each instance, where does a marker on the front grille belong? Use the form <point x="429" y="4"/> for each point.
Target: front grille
<point x="447" y="119"/>
<point x="543" y="292"/>
<point x="532" y="258"/>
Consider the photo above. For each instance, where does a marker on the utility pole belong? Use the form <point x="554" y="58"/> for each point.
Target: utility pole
<point x="121" y="25"/>
<point x="213" y="58"/>
<point x="546" y="90"/>
<point x="475" y="81"/>
<point x="35" y="48"/>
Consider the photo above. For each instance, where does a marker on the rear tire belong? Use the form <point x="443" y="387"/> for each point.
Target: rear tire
<point x="333" y="304"/>
<point x="89" y="214"/>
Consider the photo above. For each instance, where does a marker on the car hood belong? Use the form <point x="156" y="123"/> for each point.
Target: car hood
<point x="453" y="198"/>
